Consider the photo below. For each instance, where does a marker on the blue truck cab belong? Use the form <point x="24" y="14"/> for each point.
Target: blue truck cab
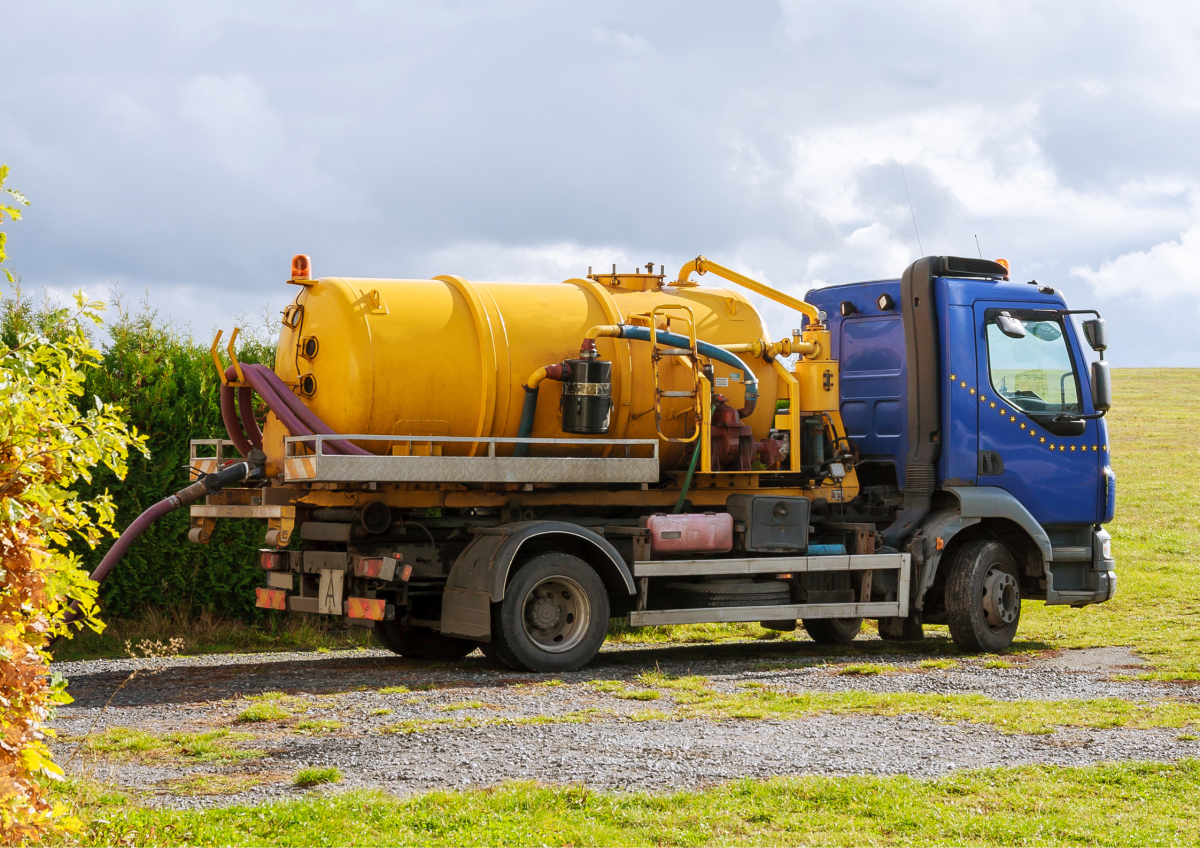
<point x="975" y="413"/>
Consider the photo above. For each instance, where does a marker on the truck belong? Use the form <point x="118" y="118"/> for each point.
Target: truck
<point x="457" y="464"/>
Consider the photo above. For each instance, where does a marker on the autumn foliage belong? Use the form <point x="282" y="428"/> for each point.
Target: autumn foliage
<point x="51" y="437"/>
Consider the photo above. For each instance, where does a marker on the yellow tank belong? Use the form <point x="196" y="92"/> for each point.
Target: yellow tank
<point x="449" y="356"/>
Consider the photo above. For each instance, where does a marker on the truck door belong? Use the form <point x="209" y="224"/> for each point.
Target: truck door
<point x="1027" y="377"/>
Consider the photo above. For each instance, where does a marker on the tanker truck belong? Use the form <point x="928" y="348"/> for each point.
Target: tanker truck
<point x="508" y="466"/>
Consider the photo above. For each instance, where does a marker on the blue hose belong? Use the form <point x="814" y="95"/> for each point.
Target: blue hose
<point x="709" y="350"/>
<point x="525" y="430"/>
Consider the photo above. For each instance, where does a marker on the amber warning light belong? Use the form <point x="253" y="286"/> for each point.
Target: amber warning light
<point x="301" y="268"/>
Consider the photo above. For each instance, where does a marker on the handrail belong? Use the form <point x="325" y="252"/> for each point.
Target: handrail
<point x="320" y="438"/>
<point x="701" y="265"/>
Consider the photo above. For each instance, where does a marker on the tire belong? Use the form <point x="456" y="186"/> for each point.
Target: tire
<point x="832" y="631"/>
<point x="553" y="618"/>
<point x="907" y="629"/>
<point x="422" y="643"/>
<point x="729" y="593"/>
<point x="493" y="657"/>
<point x="983" y="597"/>
<point x="384" y="635"/>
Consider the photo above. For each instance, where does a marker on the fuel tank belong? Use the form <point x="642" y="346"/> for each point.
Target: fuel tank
<point x="449" y="357"/>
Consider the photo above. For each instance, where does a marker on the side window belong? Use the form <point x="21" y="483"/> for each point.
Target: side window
<point x="1034" y="372"/>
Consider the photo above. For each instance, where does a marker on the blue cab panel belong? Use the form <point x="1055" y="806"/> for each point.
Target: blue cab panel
<point x="987" y="403"/>
<point x="869" y="346"/>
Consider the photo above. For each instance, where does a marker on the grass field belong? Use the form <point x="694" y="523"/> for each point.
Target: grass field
<point x="1126" y="804"/>
<point x="1156" y="453"/>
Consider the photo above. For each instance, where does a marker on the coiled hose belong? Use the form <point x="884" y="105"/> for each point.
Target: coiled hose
<point x="291" y="411"/>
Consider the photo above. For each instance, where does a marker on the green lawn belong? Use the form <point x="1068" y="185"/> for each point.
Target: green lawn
<point x="1099" y="805"/>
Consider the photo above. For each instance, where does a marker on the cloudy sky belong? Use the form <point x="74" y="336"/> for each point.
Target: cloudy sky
<point x="191" y="148"/>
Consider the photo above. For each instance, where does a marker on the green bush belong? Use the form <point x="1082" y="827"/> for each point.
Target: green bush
<point x="167" y="385"/>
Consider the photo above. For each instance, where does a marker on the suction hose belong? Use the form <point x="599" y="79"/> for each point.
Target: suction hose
<point x="706" y="349"/>
<point x="209" y="484"/>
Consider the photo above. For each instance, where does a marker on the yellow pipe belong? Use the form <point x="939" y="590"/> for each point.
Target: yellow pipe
<point x="536" y="378"/>
<point x="613" y="330"/>
<point x="701" y="266"/>
<point x="785" y="347"/>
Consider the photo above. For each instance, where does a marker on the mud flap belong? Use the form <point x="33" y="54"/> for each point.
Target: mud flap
<point x="467" y="613"/>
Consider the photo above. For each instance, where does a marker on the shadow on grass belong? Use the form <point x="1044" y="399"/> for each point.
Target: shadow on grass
<point x="180" y="682"/>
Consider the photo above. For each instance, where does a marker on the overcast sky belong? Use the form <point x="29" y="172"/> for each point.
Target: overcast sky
<point x="192" y="148"/>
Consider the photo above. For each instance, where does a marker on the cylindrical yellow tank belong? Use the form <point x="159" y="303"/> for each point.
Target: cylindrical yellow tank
<point x="449" y="357"/>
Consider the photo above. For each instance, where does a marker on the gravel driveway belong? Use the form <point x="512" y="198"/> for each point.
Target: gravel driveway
<point x="470" y="725"/>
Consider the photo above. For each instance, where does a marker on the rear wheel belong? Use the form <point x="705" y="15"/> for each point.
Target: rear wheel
<point x="421" y="643"/>
<point x="554" y="615"/>
<point x="832" y="631"/>
<point x="983" y="597"/>
<point x="906" y="629"/>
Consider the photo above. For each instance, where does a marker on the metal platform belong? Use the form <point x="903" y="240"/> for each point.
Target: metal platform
<point x="707" y="615"/>
<point x="773" y="565"/>
<point x="320" y="467"/>
<point x="683" y="568"/>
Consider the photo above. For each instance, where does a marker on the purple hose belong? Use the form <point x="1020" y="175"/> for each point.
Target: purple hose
<point x="134" y="530"/>
<point x="229" y="416"/>
<point x="292" y="411"/>
<point x="245" y="402"/>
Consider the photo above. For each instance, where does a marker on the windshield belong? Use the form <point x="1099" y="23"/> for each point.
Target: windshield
<point x="1033" y="373"/>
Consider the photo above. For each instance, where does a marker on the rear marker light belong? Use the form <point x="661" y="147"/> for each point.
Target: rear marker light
<point x="274" y="560"/>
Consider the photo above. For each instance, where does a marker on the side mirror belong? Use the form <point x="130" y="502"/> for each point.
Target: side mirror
<point x="1010" y="326"/>
<point x="1096" y="333"/>
<point x="1101" y="385"/>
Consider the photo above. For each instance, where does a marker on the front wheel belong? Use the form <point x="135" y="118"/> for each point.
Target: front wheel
<point x="983" y="597"/>
<point x="554" y="615"/>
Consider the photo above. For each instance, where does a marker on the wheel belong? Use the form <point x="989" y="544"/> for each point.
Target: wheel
<point x="729" y="593"/>
<point x="832" y="631"/>
<point x="493" y="656"/>
<point x="421" y="643"/>
<point x="907" y="629"/>
<point x="554" y="615"/>
<point x="983" y="597"/>
<point x="386" y="637"/>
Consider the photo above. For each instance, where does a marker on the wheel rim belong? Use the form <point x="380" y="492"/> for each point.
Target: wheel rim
<point x="556" y="614"/>
<point x="1001" y="598"/>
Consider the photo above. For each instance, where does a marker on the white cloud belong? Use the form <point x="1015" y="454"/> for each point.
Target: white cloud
<point x="634" y="45"/>
<point x="869" y="253"/>
<point x="1164" y="271"/>
<point x="549" y="263"/>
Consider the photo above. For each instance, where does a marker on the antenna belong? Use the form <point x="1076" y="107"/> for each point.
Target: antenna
<point x="910" y="209"/>
<point x="977" y="245"/>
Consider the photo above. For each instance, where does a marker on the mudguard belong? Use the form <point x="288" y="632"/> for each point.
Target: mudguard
<point x="480" y="574"/>
<point x="974" y="504"/>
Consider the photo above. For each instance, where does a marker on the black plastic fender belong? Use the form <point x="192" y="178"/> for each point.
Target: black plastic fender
<point x="975" y="503"/>
<point x="480" y="574"/>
